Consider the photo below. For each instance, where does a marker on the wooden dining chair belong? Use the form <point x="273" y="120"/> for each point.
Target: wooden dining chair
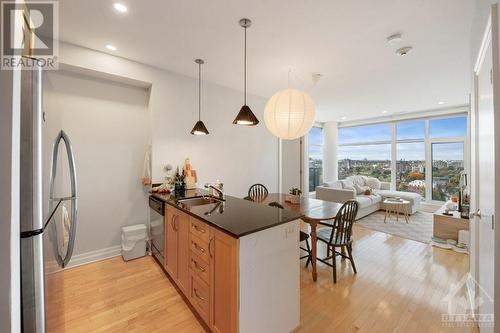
<point x="304" y="237"/>
<point x="257" y="193"/>
<point x="339" y="234"/>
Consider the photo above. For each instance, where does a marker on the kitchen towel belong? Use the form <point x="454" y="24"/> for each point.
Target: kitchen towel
<point x="62" y="229"/>
<point x="146" y="170"/>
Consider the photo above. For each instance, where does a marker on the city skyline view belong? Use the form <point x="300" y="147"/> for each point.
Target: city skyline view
<point x="367" y="150"/>
<point x="405" y="130"/>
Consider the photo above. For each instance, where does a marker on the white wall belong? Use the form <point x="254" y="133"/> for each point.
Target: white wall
<point x="108" y="124"/>
<point x="238" y="156"/>
<point x="330" y="166"/>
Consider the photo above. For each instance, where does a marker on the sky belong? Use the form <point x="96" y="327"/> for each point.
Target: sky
<point x="407" y="130"/>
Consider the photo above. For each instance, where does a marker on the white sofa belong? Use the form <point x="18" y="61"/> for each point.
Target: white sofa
<point x="352" y="188"/>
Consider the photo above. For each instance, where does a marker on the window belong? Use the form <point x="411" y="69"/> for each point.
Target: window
<point x="410" y="167"/>
<point x="424" y="156"/>
<point x="410" y="130"/>
<point x="367" y="160"/>
<point x="315" y="139"/>
<point x="365" y="150"/>
<point x="371" y="133"/>
<point x="447" y="164"/>
<point x="448" y="127"/>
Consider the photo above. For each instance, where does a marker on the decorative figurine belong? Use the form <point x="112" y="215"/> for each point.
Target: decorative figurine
<point x="189" y="175"/>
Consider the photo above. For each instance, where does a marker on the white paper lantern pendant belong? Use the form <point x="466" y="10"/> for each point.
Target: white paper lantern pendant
<point x="289" y="114"/>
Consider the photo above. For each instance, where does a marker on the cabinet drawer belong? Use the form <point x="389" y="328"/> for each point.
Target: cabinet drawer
<point x="199" y="267"/>
<point x="200" y="297"/>
<point x="199" y="229"/>
<point x="199" y="247"/>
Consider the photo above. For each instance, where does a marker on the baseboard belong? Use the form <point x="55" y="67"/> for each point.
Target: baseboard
<point x="93" y="256"/>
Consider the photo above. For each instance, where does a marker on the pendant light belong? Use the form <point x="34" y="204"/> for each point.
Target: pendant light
<point x="199" y="128"/>
<point x="245" y="117"/>
<point x="289" y="113"/>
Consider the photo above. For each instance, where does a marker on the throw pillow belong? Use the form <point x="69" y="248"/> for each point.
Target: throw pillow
<point x="373" y="183"/>
<point x="359" y="180"/>
<point x="359" y="189"/>
<point x="351" y="188"/>
<point x="347" y="184"/>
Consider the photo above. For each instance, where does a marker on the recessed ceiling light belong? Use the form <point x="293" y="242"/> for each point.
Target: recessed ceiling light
<point x="120" y="7"/>
<point x="111" y="47"/>
<point x="404" y="51"/>
<point x="343" y="118"/>
<point x="384" y="111"/>
<point x="441" y="102"/>
<point x="393" y="39"/>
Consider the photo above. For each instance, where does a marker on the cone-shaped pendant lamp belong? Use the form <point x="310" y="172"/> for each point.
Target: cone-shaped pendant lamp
<point x="199" y="128"/>
<point x="245" y="116"/>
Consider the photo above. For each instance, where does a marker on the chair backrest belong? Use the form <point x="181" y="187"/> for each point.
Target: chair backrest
<point x="276" y="204"/>
<point x="257" y="192"/>
<point x="342" y="226"/>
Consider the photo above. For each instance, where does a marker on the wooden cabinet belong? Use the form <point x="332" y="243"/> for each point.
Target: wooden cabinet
<point x="177" y="247"/>
<point x="203" y="262"/>
<point x="170" y="243"/>
<point x="223" y="282"/>
<point x="446" y="226"/>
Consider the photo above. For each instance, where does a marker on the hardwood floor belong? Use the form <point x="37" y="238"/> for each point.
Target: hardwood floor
<point x="400" y="287"/>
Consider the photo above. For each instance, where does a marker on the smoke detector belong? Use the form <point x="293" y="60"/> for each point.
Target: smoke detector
<point x="393" y="39"/>
<point x="316" y="77"/>
<point x="404" y="51"/>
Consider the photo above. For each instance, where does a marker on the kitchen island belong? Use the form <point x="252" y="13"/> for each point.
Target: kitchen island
<point x="235" y="261"/>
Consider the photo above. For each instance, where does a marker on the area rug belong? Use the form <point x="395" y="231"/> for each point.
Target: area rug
<point x="419" y="228"/>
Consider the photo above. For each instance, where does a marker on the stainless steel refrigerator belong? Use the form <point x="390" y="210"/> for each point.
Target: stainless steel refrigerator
<point x="48" y="208"/>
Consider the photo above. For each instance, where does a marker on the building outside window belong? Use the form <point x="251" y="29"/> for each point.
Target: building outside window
<point x="424" y="156"/>
<point x="315" y="142"/>
<point x="410" y="159"/>
<point x="365" y="150"/>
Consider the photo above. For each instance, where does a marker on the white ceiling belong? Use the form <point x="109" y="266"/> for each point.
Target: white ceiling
<point x="343" y="40"/>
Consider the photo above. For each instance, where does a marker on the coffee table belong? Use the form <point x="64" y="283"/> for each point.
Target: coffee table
<point x="397" y="208"/>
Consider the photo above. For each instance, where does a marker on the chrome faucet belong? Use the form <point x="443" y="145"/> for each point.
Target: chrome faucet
<point x="219" y="188"/>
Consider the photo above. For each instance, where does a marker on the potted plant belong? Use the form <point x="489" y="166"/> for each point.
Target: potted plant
<point x="295" y="195"/>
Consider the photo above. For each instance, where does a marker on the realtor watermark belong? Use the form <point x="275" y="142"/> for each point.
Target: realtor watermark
<point x="30" y="35"/>
<point x="462" y="312"/>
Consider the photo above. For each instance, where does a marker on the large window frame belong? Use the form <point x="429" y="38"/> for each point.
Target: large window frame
<point x="428" y="142"/>
<point x="321" y="148"/>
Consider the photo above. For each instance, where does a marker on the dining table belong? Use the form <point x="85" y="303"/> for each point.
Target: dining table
<point x="312" y="210"/>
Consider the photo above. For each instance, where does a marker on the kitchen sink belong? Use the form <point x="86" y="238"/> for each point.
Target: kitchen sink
<point x="198" y="201"/>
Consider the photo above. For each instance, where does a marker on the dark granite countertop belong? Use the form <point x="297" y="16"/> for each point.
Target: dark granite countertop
<point x="235" y="216"/>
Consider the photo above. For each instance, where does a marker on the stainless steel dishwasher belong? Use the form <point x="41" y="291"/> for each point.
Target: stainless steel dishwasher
<point x="157" y="229"/>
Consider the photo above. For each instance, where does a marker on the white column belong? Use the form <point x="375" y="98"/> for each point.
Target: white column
<point x="330" y="167"/>
<point x="290" y="164"/>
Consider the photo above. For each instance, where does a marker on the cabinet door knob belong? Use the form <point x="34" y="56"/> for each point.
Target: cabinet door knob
<point x="198" y="267"/>
<point x="210" y="246"/>
<point x="198" y="296"/>
<point x="199" y="229"/>
<point x="199" y="248"/>
<point x="173" y="222"/>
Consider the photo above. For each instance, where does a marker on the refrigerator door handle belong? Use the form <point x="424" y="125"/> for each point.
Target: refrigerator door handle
<point x="63" y="262"/>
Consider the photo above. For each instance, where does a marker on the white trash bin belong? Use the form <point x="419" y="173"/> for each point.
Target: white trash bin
<point x="134" y="240"/>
